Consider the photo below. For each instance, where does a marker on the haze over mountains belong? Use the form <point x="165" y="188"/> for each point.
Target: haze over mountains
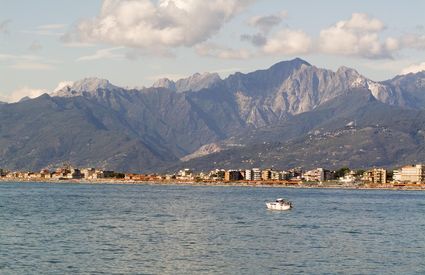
<point x="292" y="114"/>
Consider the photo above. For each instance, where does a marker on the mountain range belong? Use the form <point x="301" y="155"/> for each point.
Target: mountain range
<point x="291" y="114"/>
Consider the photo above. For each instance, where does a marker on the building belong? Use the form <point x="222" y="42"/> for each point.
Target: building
<point x="413" y="173"/>
<point x="248" y="175"/>
<point x="348" y="178"/>
<point x="397" y="175"/>
<point x="89" y="173"/>
<point x="45" y="174"/>
<point x="74" y="174"/>
<point x="295" y="173"/>
<point x="216" y="175"/>
<point x="275" y="175"/>
<point x="256" y="174"/>
<point x="317" y="174"/>
<point x="284" y="175"/>
<point x="185" y="174"/>
<point x="232" y="175"/>
<point x="242" y="173"/>
<point x="266" y="174"/>
<point x="376" y="175"/>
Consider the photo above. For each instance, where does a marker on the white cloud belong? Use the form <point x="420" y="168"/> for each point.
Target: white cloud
<point x="213" y="50"/>
<point x="153" y="25"/>
<point x="362" y="22"/>
<point x="358" y="36"/>
<point x="288" y="42"/>
<point x="103" y="54"/>
<point x="20" y="93"/>
<point x="414" y="68"/>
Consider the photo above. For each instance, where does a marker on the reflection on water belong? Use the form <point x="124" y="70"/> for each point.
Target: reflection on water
<point x="170" y="229"/>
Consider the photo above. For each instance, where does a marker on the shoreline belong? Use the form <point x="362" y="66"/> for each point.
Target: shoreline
<point x="218" y="184"/>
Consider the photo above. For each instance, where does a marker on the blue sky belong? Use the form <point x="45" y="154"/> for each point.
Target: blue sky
<point x="134" y="42"/>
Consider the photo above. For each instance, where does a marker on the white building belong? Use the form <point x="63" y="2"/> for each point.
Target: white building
<point x="413" y="173"/>
<point x="317" y="174"/>
<point x="248" y="175"/>
<point x="89" y="173"/>
<point x="256" y="174"/>
<point x="185" y="174"/>
<point x="348" y="178"/>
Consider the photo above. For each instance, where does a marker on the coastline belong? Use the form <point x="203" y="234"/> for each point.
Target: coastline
<point x="258" y="184"/>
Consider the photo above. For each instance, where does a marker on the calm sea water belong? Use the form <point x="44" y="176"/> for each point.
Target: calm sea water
<point x="70" y="228"/>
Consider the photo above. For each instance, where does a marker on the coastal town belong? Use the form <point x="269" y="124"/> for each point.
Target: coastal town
<point x="406" y="177"/>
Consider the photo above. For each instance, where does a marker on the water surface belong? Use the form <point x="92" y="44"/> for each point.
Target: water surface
<point x="73" y="228"/>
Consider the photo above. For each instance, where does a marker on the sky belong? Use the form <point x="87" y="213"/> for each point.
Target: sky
<point x="47" y="43"/>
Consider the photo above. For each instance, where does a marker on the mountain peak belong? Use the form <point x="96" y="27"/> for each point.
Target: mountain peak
<point x="294" y="63"/>
<point x="25" y="98"/>
<point x="85" y="85"/>
<point x="192" y="83"/>
<point x="92" y="84"/>
<point x="347" y="71"/>
<point x="164" y="83"/>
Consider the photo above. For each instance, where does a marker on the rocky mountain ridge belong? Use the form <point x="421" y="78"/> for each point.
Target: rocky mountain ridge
<point x="189" y="119"/>
<point x="193" y="83"/>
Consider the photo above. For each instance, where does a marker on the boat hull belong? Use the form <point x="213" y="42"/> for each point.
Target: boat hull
<point x="278" y="206"/>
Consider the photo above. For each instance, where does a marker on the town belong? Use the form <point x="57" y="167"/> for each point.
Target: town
<point x="409" y="176"/>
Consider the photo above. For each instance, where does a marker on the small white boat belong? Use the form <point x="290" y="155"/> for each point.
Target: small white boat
<point x="279" y="204"/>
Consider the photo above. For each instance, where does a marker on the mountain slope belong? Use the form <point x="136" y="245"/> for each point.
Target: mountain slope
<point x="48" y="131"/>
<point x="377" y="135"/>
<point x="95" y="123"/>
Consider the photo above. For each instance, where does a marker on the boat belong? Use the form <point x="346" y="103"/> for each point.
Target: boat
<point x="279" y="204"/>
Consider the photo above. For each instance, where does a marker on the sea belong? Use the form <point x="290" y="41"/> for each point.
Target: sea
<point x="48" y="228"/>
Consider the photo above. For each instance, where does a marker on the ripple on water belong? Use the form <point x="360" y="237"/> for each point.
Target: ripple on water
<point x="173" y="229"/>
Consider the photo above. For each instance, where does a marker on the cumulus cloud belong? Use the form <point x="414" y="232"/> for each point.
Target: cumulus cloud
<point x="288" y="42"/>
<point x="158" y="24"/>
<point x="358" y="36"/>
<point x="414" y="68"/>
<point x="217" y="51"/>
